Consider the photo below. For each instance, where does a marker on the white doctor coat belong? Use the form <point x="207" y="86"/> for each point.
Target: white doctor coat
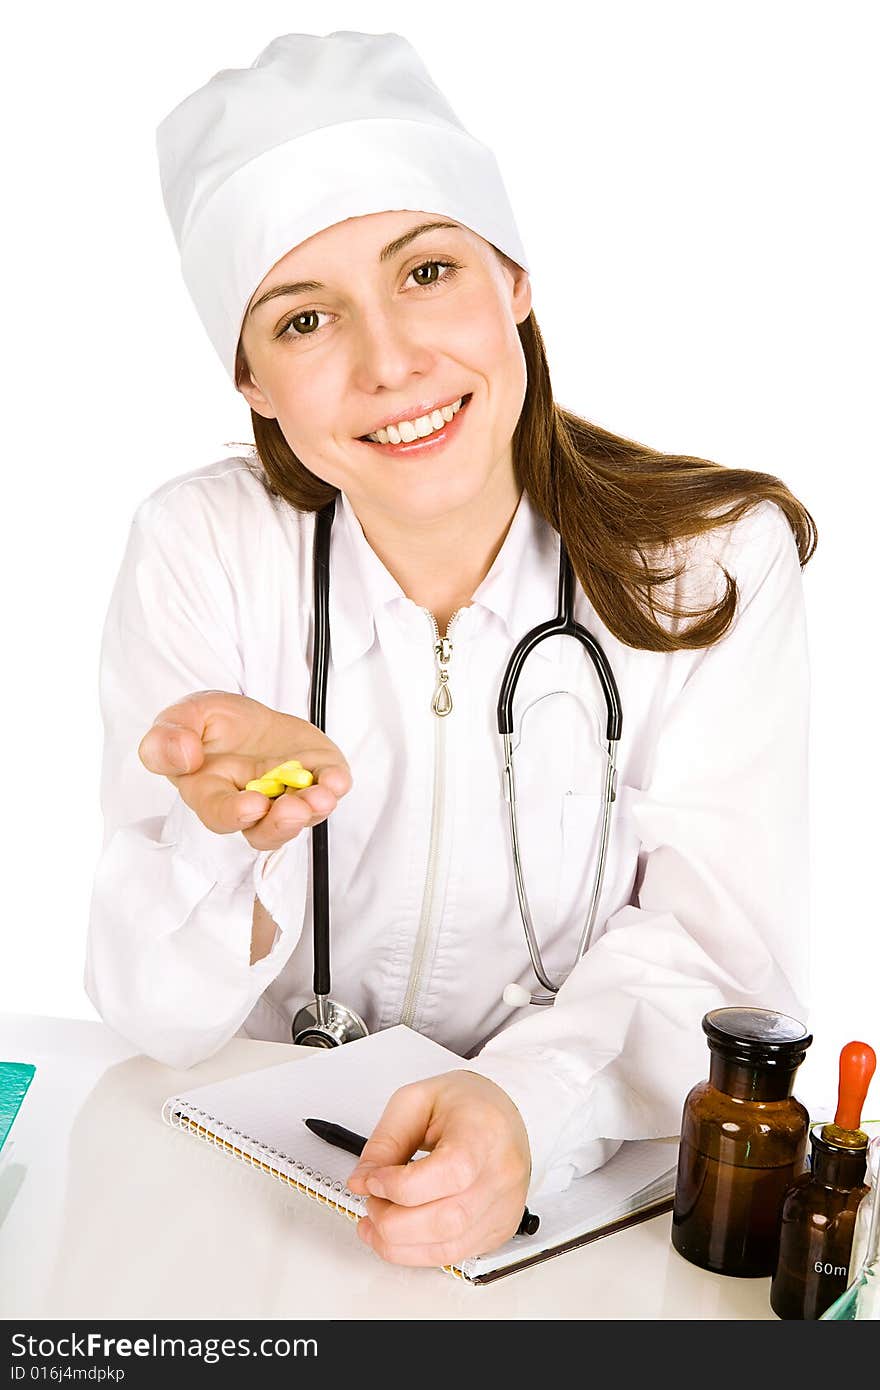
<point x="705" y="894"/>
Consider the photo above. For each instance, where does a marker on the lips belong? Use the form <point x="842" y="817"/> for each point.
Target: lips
<point x="365" y="438"/>
<point x="424" y="446"/>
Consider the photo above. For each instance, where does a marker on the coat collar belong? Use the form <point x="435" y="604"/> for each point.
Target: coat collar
<point x="519" y="591"/>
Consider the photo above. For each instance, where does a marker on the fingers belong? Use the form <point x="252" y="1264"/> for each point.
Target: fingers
<point x="214" y="789"/>
<point x="444" y="1222"/>
<point x="399" y="1133"/>
<point x="213" y="792"/>
<point x="446" y="1172"/>
<point x="334" y="776"/>
<point x="467" y="1195"/>
<point x="171" y="749"/>
<point x="480" y="1240"/>
<point x="288" y="815"/>
<point x="430" y="1253"/>
<point x="216" y="793"/>
<point x="420" y="1116"/>
<point x="176" y="742"/>
<point x="203" y="722"/>
<point x="326" y="764"/>
<point x="213" y="742"/>
<point x="447" y="1231"/>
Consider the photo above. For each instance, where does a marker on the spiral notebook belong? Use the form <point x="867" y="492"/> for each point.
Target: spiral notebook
<point x="258" y="1118"/>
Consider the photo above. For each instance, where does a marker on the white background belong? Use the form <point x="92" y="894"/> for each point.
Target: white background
<point x="694" y="184"/>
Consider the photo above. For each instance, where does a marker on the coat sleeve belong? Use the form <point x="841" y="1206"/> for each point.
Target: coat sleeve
<point x="168" y="952"/>
<point x="720" y="912"/>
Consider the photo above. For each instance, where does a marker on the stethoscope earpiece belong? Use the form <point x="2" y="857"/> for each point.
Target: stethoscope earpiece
<point x="515" y="997"/>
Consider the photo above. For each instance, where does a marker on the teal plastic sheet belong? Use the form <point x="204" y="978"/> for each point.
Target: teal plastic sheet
<point x="15" y="1077"/>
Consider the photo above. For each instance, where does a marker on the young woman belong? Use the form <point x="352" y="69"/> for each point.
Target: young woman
<point x="353" y="257"/>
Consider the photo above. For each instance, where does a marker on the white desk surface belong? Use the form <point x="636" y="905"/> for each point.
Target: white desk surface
<point x="105" y="1212"/>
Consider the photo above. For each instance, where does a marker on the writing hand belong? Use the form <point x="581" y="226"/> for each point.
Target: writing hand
<point x="467" y="1196"/>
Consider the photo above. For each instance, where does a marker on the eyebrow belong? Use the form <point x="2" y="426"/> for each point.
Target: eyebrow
<point x="387" y="252"/>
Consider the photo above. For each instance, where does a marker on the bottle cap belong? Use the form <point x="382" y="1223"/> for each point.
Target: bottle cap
<point x="757" y="1036"/>
<point x="857" y="1063"/>
<point x="848" y="1160"/>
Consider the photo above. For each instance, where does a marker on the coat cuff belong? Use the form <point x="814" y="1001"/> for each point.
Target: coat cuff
<point x="227" y="860"/>
<point x="278" y="877"/>
<point x="280" y="880"/>
<point x="546" y="1105"/>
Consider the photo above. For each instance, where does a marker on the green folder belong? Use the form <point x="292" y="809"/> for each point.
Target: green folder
<point x="15" y="1077"/>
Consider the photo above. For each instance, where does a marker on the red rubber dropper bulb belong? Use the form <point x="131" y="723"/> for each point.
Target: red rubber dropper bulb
<point x="857" y="1064"/>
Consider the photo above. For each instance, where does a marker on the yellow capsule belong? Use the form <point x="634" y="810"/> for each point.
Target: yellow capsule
<point x="269" y="786"/>
<point x="298" y="780"/>
<point x="292" y="774"/>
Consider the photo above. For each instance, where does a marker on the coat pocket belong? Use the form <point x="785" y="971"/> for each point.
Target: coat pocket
<point x="582" y="814"/>
<point x="581" y="827"/>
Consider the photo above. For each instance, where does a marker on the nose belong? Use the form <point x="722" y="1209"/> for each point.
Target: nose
<point x="389" y="349"/>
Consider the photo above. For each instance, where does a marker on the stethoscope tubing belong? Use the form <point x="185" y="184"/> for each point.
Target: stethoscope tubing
<point x="562" y="625"/>
<point x="318" y="717"/>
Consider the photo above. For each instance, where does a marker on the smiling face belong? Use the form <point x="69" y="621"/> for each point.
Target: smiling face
<point x="389" y="328"/>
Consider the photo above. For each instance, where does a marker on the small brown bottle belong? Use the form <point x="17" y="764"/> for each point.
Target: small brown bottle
<point x="819" y="1212"/>
<point x="743" y="1141"/>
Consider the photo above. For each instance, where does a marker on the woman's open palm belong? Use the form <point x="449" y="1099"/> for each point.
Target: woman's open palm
<point x="212" y="743"/>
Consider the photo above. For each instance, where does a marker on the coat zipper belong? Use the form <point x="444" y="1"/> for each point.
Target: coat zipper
<point x="441" y="704"/>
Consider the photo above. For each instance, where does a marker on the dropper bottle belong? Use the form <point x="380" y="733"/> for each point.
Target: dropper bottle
<point x="819" y="1211"/>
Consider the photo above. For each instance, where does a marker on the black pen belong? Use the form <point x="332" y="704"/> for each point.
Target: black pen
<point x="354" y="1144"/>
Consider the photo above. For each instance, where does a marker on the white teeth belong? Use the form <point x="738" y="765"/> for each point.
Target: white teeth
<point x="407" y="430"/>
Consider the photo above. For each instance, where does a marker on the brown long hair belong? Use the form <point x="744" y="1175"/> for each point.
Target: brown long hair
<point x="618" y="505"/>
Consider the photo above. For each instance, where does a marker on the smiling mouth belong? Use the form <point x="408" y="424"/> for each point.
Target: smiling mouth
<point x="367" y="439"/>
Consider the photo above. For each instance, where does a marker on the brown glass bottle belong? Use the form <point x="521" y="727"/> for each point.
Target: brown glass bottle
<point x="819" y="1212"/>
<point x="743" y="1142"/>
<point x="816" y="1234"/>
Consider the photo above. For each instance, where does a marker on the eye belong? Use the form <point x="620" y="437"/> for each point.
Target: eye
<point x="450" y="266"/>
<point x="297" y="321"/>
<point x="300" y="323"/>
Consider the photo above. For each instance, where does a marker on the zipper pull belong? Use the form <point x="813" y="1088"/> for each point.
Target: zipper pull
<point x="442" y="701"/>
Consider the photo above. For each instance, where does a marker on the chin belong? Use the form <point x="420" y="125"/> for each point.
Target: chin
<point x="425" y="497"/>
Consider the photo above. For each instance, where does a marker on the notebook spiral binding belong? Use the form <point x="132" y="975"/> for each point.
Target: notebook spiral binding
<point x="218" y="1135"/>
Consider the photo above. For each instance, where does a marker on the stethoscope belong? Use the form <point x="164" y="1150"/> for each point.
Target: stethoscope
<point x="325" y="1022"/>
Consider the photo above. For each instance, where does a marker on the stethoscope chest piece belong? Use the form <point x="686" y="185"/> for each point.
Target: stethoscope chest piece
<point x="324" y="1023"/>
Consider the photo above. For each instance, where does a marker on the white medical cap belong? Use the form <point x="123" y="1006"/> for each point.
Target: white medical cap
<point x="316" y="130"/>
